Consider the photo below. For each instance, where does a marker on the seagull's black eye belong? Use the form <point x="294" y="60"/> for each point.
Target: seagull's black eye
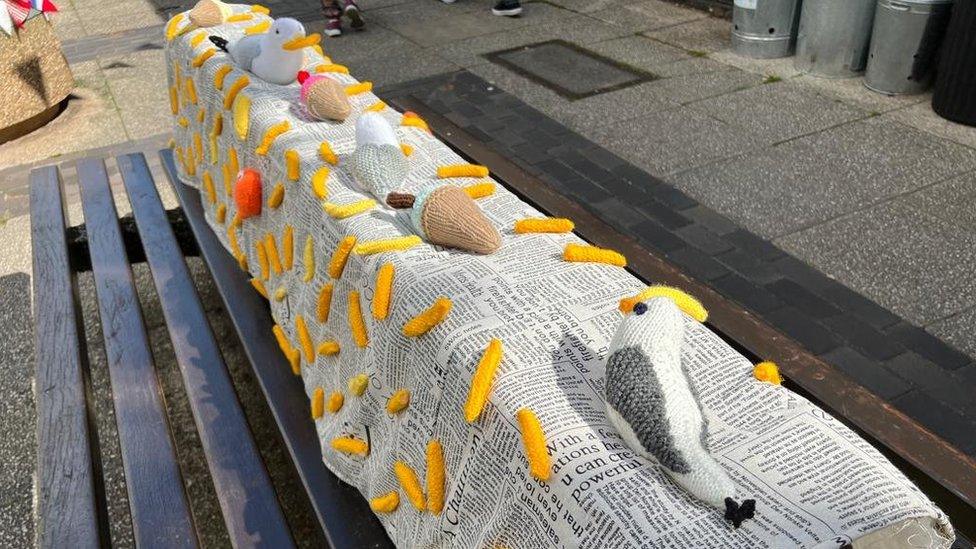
<point x="640" y="308"/>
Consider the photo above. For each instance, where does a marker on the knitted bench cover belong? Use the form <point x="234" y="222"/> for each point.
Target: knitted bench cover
<point x="387" y="332"/>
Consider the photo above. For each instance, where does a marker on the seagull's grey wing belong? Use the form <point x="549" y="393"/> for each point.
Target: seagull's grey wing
<point x="245" y="50"/>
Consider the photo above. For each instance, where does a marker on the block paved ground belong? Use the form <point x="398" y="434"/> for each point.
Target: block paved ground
<point x="843" y="217"/>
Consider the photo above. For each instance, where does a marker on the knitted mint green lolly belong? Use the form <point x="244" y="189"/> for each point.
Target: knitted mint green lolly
<point x="655" y="409"/>
<point x="378" y="163"/>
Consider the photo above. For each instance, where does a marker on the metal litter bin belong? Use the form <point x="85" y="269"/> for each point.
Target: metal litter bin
<point x="905" y="44"/>
<point x="955" y="98"/>
<point x="834" y="36"/>
<point x="765" y="29"/>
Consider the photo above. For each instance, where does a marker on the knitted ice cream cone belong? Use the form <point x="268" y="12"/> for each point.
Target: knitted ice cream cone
<point x="324" y="98"/>
<point x="447" y="216"/>
<point x="209" y="13"/>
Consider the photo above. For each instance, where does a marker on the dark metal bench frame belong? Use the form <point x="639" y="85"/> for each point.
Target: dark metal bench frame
<point x="72" y="507"/>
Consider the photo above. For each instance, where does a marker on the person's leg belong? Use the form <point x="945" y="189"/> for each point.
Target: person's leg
<point x="332" y="11"/>
<point x="355" y="16"/>
<point x="509" y="8"/>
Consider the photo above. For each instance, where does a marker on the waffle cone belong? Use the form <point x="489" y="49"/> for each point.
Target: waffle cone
<point x="206" y="14"/>
<point x="451" y="218"/>
<point x="327" y="100"/>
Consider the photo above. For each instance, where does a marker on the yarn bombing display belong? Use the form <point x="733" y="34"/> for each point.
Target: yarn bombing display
<point x="455" y="345"/>
<point x="653" y="406"/>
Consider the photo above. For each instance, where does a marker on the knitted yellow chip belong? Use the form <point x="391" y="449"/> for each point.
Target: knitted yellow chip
<point x="197" y="38"/>
<point x="691" y="306"/>
<point x="262" y="259"/>
<point x="317" y="48"/>
<point x="232" y="162"/>
<point x="349" y="445"/>
<point x="425" y="321"/>
<point x="435" y="477"/>
<point x="228" y="179"/>
<point x="414" y="121"/>
<point x="544" y="225"/>
<point x="481" y="381"/>
<point x="208" y="187"/>
<point x="189" y="160"/>
<point x="292" y="354"/>
<point x="201" y="115"/>
<point x="272" y="250"/>
<point x="767" y="371"/>
<point x="387" y="503"/>
<point x="411" y="484"/>
<point x="200" y="59"/>
<point x="238" y="17"/>
<point x="398" y="401"/>
<point x="387" y="245"/>
<point x="358" y="384"/>
<point x="308" y="259"/>
<point x="462" y="170"/>
<point x="336" y="400"/>
<point x="407" y="149"/>
<point x="384" y="288"/>
<point x="270" y="136"/>
<point x="331" y="67"/>
<point x="535" y="444"/>
<point x="232" y="238"/>
<point x="220" y="75"/>
<point x="174" y="100"/>
<point x="242" y="262"/>
<point x="342" y="211"/>
<point x="318" y="402"/>
<point x="221" y="214"/>
<point x="234" y="89"/>
<point x="323" y="303"/>
<point x="325" y="151"/>
<point x="362" y="87"/>
<point x="258" y="28"/>
<point x="288" y="247"/>
<point x="328" y="348"/>
<point x="375" y="107"/>
<point x="320" y="184"/>
<point x="338" y="262"/>
<point x="258" y="8"/>
<point x="292" y="165"/>
<point x="356" y="322"/>
<point x="304" y="339"/>
<point x="480" y="190"/>
<point x="171" y="143"/>
<point x="242" y="115"/>
<point x="198" y="145"/>
<point x="173" y="24"/>
<point x="183" y="122"/>
<point x="591" y="254"/>
<point x="277" y="195"/>
<point x="213" y="149"/>
<point x="281" y="293"/>
<point x="259" y="286"/>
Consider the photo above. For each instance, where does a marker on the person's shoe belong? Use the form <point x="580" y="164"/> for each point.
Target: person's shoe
<point x="509" y="8"/>
<point x="449" y="1"/>
<point x="355" y="17"/>
<point x="333" y="27"/>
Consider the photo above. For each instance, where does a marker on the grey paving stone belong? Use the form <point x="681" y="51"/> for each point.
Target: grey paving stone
<point x="647" y="15"/>
<point x="868" y="373"/>
<point x="610" y="108"/>
<point x="958" y="330"/>
<point x="640" y="52"/>
<point x="780" y="190"/>
<point x="671" y="141"/>
<point x="688" y="86"/>
<point x="589" y="6"/>
<point x="953" y="200"/>
<point x="563" y="67"/>
<point x="708" y="34"/>
<point x="780" y="111"/>
<point x="918" y="266"/>
<point x="949" y="387"/>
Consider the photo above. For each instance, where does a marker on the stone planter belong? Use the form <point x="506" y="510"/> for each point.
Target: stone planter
<point x="34" y="78"/>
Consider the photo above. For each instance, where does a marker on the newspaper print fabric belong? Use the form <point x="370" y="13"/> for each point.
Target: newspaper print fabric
<point x="817" y="484"/>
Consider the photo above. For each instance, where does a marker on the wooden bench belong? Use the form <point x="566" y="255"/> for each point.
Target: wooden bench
<point x="72" y="511"/>
<point x="72" y="508"/>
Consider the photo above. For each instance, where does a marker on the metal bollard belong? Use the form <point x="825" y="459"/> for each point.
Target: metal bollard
<point x="834" y="36"/>
<point x="765" y="29"/>
<point x="905" y="44"/>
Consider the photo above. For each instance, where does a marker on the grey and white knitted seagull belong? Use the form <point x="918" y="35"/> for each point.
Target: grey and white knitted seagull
<point x="656" y="410"/>
<point x="274" y="56"/>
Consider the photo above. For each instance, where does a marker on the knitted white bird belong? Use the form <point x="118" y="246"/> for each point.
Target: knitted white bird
<point x="656" y="410"/>
<point x="275" y="56"/>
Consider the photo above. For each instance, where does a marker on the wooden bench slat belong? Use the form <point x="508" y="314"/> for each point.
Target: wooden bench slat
<point x="68" y="507"/>
<point x="157" y="501"/>
<point x="344" y="514"/>
<point x="247" y="497"/>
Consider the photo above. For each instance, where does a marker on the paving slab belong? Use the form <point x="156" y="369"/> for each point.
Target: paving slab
<point x="705" y="35"/>
<point x="646" y="15"/>
<point x="957" y="330"/>
<point x="953" y="200"/>
<point x="590" y="6"/>
<point x="918" y="266"/>
<point x="671" y="141"/>
<point x="808" y="181"/>
<point x="111" y="17"/>
<point x="699" y="79"/>
<point x="779" y="111"/>
<point x="922" y="117"/>
<point x="641" y="52"/>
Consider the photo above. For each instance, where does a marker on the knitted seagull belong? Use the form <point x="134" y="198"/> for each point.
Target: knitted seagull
<point x="275" y="56"/>
<point x="656" y="410"/>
